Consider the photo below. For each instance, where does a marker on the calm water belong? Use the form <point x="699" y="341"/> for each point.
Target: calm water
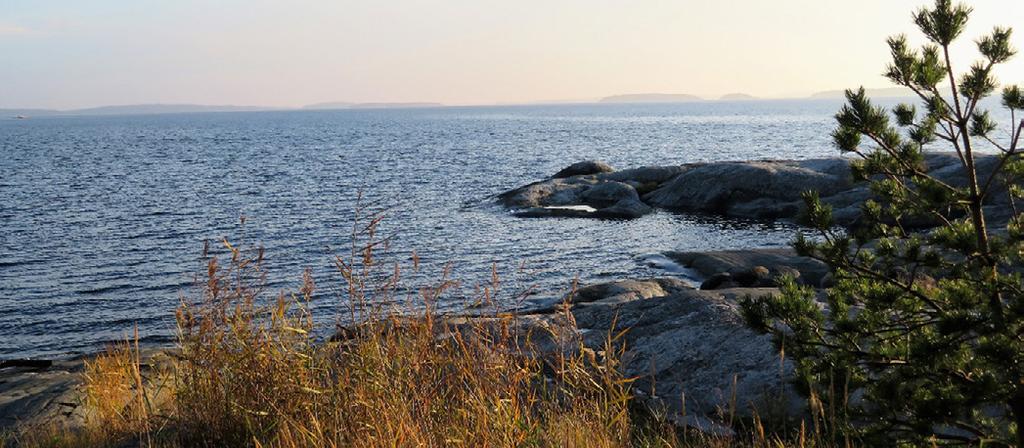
<point x="104" y="218"/>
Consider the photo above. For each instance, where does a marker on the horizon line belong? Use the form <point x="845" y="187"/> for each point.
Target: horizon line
<point x="341" y="104"/>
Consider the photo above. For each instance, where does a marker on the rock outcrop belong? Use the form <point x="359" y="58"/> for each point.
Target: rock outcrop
<point x="41" y="395"/>
<point x="751" y="267"/>
<point x="693" y="356"/>
<point x="751" y="189"/>
<point x="757" y="189"/>
<point x="613" y="195"/>
<point x="51" y="392"/>
<point x="584" y="168"/>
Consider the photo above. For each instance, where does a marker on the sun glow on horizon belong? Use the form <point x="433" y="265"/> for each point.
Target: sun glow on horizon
<point x="63" y="54"/>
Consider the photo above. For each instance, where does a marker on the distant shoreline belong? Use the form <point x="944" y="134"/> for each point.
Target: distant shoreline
<point x="633" y="98"/>
<point x="27" y="115"/>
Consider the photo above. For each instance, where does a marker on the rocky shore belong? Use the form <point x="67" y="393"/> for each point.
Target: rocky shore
<point x="693" y="355"/>
<point x="50" y="392"/>
<point x="694" y="358"/>
<point x="40" y="392"/>
<point x="769" y="189"/>
<point x="688" y="347"/>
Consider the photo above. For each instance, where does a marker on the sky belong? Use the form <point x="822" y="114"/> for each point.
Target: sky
<point x="67" y="54"/>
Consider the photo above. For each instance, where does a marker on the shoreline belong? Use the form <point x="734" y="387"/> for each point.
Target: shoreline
<point x="659" y="311"/>
<point x="678" y="326"/>
<point x="761" y="189"/>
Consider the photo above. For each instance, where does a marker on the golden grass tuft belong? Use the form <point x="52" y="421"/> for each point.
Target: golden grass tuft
<point x="115" y="395"/>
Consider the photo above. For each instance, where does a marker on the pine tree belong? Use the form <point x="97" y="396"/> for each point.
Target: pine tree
<point x="921" y="338"/>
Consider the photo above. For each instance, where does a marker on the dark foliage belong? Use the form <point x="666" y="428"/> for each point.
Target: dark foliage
<point x="921" y="340"/>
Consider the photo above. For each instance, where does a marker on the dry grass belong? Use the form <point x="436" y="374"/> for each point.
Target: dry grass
<point x="249" y="372"/>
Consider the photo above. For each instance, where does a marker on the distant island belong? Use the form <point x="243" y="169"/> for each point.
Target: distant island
<point x="145" y="109"/>
<point x="650" y="98"/>
<point x="329" y="105"/>
<point x="345" y="105"/>
<point x="154" y="109"/>
<point x="132" y="109"/>
<point x="888" y="92"/>
<point x="394" y="105"/>
<point x="737" y="97"/>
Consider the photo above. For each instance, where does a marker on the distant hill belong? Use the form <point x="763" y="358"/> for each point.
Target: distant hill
<point x="889" y="92"/>
<point x="737" y="97"/>
<point x="149" y="109"/>
<point x="131" y="109"/>
<point x="650" y="98"/>
<point x="393" y="105"/>
<point x="347" y="105"/>
<point x="328" y="106"/>
<point x="546" y="102"/>
<point x="152" y="109"/>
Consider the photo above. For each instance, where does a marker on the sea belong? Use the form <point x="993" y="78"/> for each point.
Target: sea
<point x="104" y="219"/>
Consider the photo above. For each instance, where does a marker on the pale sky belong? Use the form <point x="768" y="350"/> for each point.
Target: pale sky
<point x="76" y="53"/>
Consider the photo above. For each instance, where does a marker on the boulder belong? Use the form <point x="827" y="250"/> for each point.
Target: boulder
<point x="589" y="189"/>
<point x="615" y="200"/>
<point x="628" y="290"/>
<point x="577" y="197"/>
<point x="584" y="168"/>
<point x="720" y="280"/>
<point x="795" y="274"/>
<point x="755" y="277"/>
<point x="743" y="263"/>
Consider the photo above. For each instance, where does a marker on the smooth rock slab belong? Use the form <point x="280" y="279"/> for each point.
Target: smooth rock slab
<point x="777" y="261"/>
<point x="765" y="189"/>
<point x="691" y="345"/>
<point x="628" y="290"/>
<point x="54" y="394"/>
<point x="41" y="396"/>
<point x="693" y="357"/>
